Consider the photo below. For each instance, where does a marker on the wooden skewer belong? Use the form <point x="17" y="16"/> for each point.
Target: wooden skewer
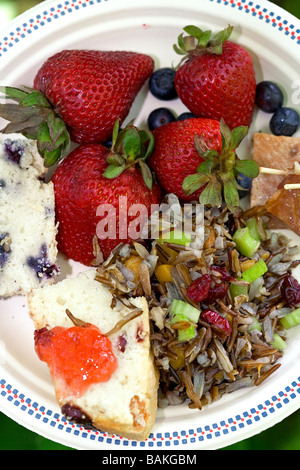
<point x="292" y="186"/>
<point x="274" y="171"/>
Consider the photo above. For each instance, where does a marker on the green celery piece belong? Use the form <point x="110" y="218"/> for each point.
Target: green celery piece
<point x="177" y="237"/>
<point x="238" y="290"/>
<point x="187" y="335"/>
<point x="256" y="271"/>
<point x="252" y="225"/>
<point x="179" y="307"/>
<point x="255" y="325"/>
<point x="178" y="317"/>
<point x="278" y="342"/>
<point x="245" y="243"/>
<point x="184" y="334"/>
<point x="291" y="319"/>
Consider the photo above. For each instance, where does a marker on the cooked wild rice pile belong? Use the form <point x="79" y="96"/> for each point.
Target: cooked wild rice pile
<point x="212" y="363"/>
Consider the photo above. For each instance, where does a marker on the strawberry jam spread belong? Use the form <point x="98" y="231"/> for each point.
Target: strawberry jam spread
<point x="80" y="355"/>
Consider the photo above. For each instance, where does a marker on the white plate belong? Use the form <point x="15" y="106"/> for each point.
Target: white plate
<point x="150" y="26"/>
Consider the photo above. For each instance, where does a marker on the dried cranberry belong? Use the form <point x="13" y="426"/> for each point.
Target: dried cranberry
<point x="122" y="343"/>
<point x="214" y="318"/>
<point x="199" y="289"/>
<point x="218" y="291"/>
<point x="225" y="276"/>
<point x="290" y="290"/>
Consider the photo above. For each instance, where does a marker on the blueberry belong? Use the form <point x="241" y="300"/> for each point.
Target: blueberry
<point x="41" y="265"/>
<point x="14" y="150"/>
<point x="160" y="116"/>
<point x="2" y="184"/>
<point x="285" y="121"/>
<point x="269" y="96"/>
<point x="185" y="115"/>
<point x="4" y="249"/>
<point x="246" y="183"/>
<point x="161" y="84"/>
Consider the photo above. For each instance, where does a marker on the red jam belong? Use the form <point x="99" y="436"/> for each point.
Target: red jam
<point x="80" y="355"/>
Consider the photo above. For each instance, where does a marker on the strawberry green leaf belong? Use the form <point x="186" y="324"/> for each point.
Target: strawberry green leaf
<point x="221" y="36"/>
<point x="53" y="142"/>
<point x="226" y="135"/>
<point x="248" y="168"/>
<point x="33" y="117"/>
<point x="113" y="171"/>
<point x="35" y="99"/>
<point x="115" y="132"/>
<point x="237" y="136"/>
<point x="231" y="195"/>
<point x="147" y="144"/>
<point x="193" y="31"/>
<point x="56" y="127"/>
<point x="115" y="159"/>
<point x="132" y="143"/>
<point x="205" y="167"/>
<point x="207" y="43"/>
<point x="212" y="194"/>
<point x="146" y="173"/>
<point x="194" y="182"/>
<point x="51" y="157"/>
<point x="205" y="38"/>
<point x="32" y="122"/>
<point x="12" y="93"/>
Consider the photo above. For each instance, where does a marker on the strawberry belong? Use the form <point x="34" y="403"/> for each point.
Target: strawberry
<point x="216" y="77"/>
<point x="175" y="155"/>
<point x="78" y="95"/>
<point x="91" y="176"/>
<point x="196" y="159"/>
<point x="91" y="89"/>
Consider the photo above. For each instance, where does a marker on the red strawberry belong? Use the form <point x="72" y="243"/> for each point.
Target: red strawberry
<point x="90" y="176"/>
<point x="91" y="89"/>
<point x="79" y="95"/>
<point x="175" y="155"/>
<point x="196" y="158"/>
<point x="216" y="78"/>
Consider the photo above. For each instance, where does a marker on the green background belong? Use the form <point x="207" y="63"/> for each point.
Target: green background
<point x="283" y="436"/>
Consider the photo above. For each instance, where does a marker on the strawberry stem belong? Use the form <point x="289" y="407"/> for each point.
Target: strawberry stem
<point x="33" y="116"/>
<point x="199" y="42"/>
<point x="130" y="146"/>
<point x="217" y="173"/>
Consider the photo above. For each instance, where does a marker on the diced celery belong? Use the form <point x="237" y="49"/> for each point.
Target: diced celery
<point x="176" y="236"/>
<point x="181" y="307"/>
<point x="252" y="225"/>
<point x="236" y="290"/>
<point x="187" y="334"/>
<point x="184" y="334"/>
<point x="256" y="271"/>
<point x="245" y="243"/>
<point x="255" y="325"/>
<point x="291" y="319"/>
<point x="278" y="342"/>
<point x="177" y="318"/>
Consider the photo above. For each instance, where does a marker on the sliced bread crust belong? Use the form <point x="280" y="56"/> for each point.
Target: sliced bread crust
<point x="126" y="404"/>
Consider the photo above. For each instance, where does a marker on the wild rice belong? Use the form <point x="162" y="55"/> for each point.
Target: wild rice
<point x="212" y="364"/>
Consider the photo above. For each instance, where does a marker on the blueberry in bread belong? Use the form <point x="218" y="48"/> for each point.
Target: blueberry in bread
<point x="124" y="401"/>
<point x="28" y="249"/>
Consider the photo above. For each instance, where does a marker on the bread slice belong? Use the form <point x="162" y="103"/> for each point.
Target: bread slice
<point x="126" y="404"/>
<point x="28" y="247"/>
<point x="277" y="152"/>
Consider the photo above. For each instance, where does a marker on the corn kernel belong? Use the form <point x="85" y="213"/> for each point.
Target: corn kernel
<point x="163" y="273"/>
<point x="133" y="263"/>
